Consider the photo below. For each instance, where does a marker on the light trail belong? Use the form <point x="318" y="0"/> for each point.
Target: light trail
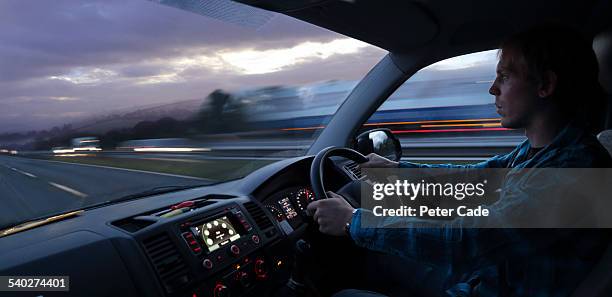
<point x="448" y="130"/>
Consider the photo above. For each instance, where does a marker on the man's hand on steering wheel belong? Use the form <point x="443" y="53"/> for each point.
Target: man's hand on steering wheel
<point x="331" y="214"/>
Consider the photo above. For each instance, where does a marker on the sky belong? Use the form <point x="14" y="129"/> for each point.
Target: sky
<point x="62" y="61"/>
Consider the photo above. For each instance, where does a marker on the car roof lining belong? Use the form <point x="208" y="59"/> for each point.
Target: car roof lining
<point x="401" y="26"/>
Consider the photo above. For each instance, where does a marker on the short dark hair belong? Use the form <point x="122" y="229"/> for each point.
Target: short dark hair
<point x="567" y="53"/>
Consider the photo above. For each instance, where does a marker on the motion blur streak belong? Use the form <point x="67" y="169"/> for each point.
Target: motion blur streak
<point x="497" y="124"/>
<point x="304" y="128"/>
<point x="433" y="121"/>
<point x="171" y="149"/>
<point x="463" y="125"/>
<point x="448" y="130"/>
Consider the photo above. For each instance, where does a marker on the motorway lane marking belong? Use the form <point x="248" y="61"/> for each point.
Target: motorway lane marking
<point x="23" y="172"/>
<point x="69" y="190"/>
<point x="131" y="170"/>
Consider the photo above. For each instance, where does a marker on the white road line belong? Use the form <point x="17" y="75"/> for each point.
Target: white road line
<point x="24" y="173"/>
<point x="130" y="170"/>
<point x="69" y="190"/>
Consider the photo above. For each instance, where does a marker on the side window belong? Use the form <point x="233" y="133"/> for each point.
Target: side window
<point x="448" y="105"/>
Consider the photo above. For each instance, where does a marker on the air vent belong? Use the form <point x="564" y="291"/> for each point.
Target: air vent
<point x="354" y="169"/>
<point x="259" y="215"/>
<point x="168" y="263"/>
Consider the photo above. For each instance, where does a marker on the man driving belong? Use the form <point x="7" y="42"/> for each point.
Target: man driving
<point x="546" y="84"/>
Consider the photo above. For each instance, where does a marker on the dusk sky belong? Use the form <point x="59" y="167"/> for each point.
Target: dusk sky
<point x="62" y="61"/>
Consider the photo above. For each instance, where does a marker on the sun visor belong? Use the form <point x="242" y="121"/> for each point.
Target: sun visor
<point x="397" y="26"/>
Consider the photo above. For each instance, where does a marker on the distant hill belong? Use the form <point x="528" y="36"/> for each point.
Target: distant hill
<point x="125" y="119"/>
<point x="101" y="124"/>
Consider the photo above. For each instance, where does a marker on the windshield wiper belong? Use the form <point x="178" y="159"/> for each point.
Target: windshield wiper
<point x="35" y="222"/>
<point x="22" y="226"/>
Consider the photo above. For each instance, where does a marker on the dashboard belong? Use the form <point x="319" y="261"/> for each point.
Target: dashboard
<point x="231" y="239"/>
<point x="289" y="207"/>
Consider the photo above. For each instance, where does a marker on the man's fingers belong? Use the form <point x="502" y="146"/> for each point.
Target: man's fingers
<point x="312" y="206"/>
<point x="322" y="229"/>
<point x="331" y="194"/>
<point x="315" y="215"/>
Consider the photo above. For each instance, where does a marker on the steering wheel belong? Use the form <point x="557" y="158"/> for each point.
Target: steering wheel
<point x="316" y="169"/>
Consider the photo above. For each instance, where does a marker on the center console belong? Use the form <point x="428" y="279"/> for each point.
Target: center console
<point x="223" y="242"/>
<point x="214" y="250"/>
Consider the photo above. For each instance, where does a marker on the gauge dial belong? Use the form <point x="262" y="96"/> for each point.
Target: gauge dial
<point x="287" y="206"/>
<point x="278" y="214"/>
<point x="303" y="198"/>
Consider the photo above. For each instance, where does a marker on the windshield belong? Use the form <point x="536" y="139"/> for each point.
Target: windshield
<point x="103" y="99"/>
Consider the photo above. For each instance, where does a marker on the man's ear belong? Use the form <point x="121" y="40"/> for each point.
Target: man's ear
<point x="548" y="85"/>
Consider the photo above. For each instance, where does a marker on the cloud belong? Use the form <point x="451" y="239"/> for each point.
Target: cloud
<point x="265" y="61"/>
<point x="63" y="98"/>
<point x="80" y="58"/>
<point x="86" y="75"/>
<point x="466" y="61"/>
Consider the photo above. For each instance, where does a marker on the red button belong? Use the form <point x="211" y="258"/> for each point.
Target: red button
<point x="197" y="250"/>
<point x="255" y="239"/>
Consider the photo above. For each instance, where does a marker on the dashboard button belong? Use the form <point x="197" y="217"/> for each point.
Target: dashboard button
<point x="221" y="291"/>
<point x="207" y="263"/>
<point x="255" y="239"/>
<point x="235" y="250"/>
<point x="243" y="279"/>
<point x="260" y="269"/>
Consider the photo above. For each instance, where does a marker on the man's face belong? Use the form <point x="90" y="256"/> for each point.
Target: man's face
<point x="515" y="95"/>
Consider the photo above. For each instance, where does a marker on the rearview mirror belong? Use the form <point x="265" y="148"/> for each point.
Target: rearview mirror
<point x="380" y="141"/>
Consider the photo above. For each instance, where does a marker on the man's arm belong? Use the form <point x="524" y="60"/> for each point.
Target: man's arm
<point x="526" y="203"/>
<point x="499" y="161"/>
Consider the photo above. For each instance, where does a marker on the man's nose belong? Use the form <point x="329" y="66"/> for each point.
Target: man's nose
<point x="494" y="90"/>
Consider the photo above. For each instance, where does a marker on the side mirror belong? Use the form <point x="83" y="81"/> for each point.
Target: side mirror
<point x="380" y="141"/>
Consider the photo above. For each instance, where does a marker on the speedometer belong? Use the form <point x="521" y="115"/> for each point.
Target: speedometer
<point x="303" y="198"/>
<point x="278" y="214"/>
<point x="287" y="207"/>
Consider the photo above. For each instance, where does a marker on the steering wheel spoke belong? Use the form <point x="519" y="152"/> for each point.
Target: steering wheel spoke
<point x="317" y="167"/>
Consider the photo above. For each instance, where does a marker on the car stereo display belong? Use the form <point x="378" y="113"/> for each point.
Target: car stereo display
<point x="217" y="233"/>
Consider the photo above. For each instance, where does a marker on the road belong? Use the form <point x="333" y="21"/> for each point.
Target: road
<point x="31" y="188"/>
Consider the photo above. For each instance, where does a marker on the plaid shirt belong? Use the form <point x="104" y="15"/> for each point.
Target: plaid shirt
<point x="502" y="262"/>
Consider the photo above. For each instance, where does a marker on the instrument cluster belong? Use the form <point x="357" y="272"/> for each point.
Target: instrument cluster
<point x="289" y="206"/>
